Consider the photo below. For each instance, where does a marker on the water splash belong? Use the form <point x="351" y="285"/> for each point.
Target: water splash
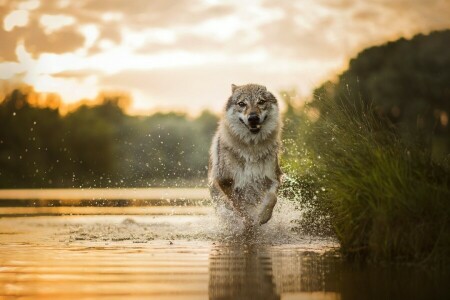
<point x="285" y="226"/>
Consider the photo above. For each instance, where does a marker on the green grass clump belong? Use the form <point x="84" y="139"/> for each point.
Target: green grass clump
<point x="385" y="198"/>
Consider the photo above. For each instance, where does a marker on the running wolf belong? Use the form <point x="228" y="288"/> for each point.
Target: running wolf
<point x="244" y="174"/>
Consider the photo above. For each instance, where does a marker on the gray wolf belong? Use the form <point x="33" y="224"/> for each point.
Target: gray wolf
<point x="244" y="174"/>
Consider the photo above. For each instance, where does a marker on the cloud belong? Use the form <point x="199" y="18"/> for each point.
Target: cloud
<point x="63" y="40"/>
<point x="16" y="18"/>
<point x="184" y="53"/>
<point x="36" y="38"/>
<point x="193" y="88"/>
<point x="159" y="13"/>
<point x="52" y="23"/>
<point x="9" y="42"/>
<point x="60" y="23"/>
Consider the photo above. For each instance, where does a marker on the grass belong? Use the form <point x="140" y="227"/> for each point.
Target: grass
<point x="382" y="197"/>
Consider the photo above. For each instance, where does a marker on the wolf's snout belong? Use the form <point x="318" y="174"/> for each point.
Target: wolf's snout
<point x="254" y="122"/>
<point x="253" y="118"/>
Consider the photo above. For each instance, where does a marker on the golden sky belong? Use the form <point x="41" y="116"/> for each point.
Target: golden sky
<point x="184" y="54"/>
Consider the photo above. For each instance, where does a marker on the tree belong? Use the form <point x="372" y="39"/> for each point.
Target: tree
<point x="407" y="81"/>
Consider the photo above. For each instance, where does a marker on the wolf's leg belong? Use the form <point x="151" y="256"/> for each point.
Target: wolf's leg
<point x="268" y="203"/>
<point x="224" y="188"/>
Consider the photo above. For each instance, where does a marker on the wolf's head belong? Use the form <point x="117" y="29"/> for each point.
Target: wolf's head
<point x="252" y="111"/>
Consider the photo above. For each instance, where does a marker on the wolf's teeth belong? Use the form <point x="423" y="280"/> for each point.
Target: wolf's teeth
<point x="258" y="126"/>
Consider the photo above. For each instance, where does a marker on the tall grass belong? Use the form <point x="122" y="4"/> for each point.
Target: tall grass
<point x="385" y="199"/>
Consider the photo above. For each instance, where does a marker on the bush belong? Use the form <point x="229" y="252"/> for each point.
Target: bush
<point x="385" y="198"/>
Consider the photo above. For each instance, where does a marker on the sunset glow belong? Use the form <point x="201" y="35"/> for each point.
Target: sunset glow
<point x="184" y="55"/>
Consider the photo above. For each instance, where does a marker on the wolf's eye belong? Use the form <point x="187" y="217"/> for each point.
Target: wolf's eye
<point x="261" y="102"/>
<point x="242" y="104"/>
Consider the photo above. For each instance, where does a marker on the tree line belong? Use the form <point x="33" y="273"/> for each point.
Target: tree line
<point x="99" y="145"/>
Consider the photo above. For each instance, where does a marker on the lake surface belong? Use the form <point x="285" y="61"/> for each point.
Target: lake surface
<point x="184" y="252"/>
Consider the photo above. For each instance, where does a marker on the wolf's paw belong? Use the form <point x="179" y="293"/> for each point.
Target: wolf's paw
<point x="268" y="204"/>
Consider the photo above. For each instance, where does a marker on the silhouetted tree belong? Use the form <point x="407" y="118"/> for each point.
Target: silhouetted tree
<point x="407" y="81"/>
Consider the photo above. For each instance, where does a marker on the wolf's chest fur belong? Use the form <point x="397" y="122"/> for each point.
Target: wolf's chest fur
<point x="251" y="173"/>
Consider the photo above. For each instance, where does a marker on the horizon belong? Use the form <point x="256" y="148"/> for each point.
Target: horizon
<point x="184" y="57"/>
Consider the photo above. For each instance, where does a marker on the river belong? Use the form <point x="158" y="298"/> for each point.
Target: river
<point x="173" y="251"/>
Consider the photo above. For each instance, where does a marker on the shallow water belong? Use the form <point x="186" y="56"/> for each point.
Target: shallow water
<point x="186" y="255"/>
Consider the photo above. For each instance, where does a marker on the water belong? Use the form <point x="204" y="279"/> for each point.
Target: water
<point x="188" y="255"/>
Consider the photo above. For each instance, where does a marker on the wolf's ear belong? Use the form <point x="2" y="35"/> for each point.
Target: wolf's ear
<point x="233" y="88"/>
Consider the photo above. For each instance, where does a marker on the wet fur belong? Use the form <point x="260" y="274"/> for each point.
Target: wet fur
<point x="244" y="172"/>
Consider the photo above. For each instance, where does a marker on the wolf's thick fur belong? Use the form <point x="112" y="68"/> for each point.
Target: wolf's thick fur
<point x="244" y="174"/>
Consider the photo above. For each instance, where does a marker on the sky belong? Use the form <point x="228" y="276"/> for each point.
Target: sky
<point x="184" y="54"/>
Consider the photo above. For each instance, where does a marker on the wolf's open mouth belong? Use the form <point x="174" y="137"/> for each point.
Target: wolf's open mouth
<point x="255" y="128"/>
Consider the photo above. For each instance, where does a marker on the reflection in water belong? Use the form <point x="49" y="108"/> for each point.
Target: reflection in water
<point x="255" y="271"/>
<point x="280" y="272"/>
<point x="241" y="272"/>
<point x="297" y="271"/>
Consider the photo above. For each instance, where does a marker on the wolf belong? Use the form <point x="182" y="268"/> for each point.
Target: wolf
<point x="244" y="174"/>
